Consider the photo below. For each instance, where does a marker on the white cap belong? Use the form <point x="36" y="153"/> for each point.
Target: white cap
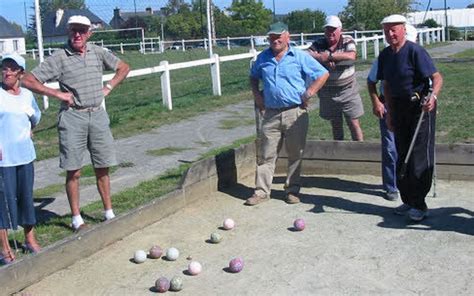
<point x="411" y="33"/>
<point x="18" y="59"/>
<point x="333" y="21"/>
<point x="394" y="19"/>
<point x="79" y="19"/>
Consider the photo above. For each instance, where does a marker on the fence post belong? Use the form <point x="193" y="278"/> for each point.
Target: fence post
<point x="427" y="36"/>
<point x="205" y="43"/>
<point x="228" y="43"/>
<point x="443" y="34"/>
<point x="33" y="54"/>
<point x="49" y="50"/>
<point x="121" y="47"/>
<point x="364" y="48"/>
<point x="376" y="46"/>
<point x="421" y="38"/>
<point x="301" y="38"/>
<point x="166" y="86"/>
<point x="182" y="44"/>
<point x="216" y="75"/>
<point x="355" y="34"/>
<point x="252" y="45"/>
<point x="162" y="46"/>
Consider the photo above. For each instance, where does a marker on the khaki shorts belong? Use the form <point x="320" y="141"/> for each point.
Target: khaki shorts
<point x="85" y="130"/>
<point x="335" y="101"/>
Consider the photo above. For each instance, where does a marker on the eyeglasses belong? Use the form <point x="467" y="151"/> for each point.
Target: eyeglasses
<point x="11" y="70"/>
<point x="81" y="31"/>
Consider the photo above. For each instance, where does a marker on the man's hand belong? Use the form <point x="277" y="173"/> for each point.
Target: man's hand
<point x="66" y="97"/>
<point x="305" y="99"/>
<point x="106" y="91"/>
<point x="378" y="109"/>
<point x="430" y="103"/>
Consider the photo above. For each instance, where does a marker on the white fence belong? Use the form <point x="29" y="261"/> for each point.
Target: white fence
<point x="424" y="36"/>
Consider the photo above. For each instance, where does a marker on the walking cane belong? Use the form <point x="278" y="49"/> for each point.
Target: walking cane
<point x="403" y="169"/>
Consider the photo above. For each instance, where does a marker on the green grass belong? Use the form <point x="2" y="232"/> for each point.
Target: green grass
<point x="166" y="151"/>
<point x="465" y="54"/>
<point x="231" y="123"/>
<point x="88" y="171"/>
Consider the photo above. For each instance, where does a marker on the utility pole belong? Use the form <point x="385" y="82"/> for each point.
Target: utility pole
<point x="209" y="33"/>
<point x="274" y="14"/>
<point x="213" y="24"/>
<point x="202" y="25"/>
<point x="26" y="16"/>
<point x="446" y="21"/>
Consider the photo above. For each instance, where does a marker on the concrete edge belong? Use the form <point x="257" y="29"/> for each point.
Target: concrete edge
<point x="200" y="180"/>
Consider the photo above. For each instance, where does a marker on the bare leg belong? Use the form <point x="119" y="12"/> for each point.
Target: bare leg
<point x="6" y="250"/>
<point x="337" y="129"/>
<point x="72" y="190"/>
<point x="103" y="185"/>
<point x="356" y="130"/>
<point x="30" y="238"/>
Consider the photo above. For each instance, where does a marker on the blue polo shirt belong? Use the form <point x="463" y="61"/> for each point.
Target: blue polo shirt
<point x="284" y="81"/>
<point x="407" y="71"/>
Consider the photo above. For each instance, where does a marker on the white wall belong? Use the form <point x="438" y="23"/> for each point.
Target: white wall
<point x="456" y="17"/>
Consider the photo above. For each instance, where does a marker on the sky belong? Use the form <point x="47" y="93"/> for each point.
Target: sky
<point x="14" y="10"/>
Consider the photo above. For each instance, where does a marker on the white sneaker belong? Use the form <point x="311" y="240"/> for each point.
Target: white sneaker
<point x="402" y="209"/>
<point x="417" y="215"/>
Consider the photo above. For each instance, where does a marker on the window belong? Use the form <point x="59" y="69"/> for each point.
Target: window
<point x="15" y="45"/>
<point x="2" y="46"/>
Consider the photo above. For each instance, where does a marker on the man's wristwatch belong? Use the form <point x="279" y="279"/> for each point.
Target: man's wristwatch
<point x="330" y="57"/>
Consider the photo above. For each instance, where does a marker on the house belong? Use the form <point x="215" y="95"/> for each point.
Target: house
<point x="120" y="18"/>
<point x="11" y="38"/>
<point x="55" y="24"/>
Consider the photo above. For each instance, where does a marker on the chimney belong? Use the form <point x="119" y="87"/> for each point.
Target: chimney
<point x="116" y="12"/>
<point x="149" y="10"/>
<point x="59" y="16"/>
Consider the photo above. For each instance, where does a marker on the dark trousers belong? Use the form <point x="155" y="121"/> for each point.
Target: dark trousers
<point x="416" y="183"/>
<point x="16" y="196"/>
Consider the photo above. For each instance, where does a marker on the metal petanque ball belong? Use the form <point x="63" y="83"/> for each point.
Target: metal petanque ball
<point x="194" y="268"/>
<point x="155" y="252"/>
<point x="228" y="224"/>
<point x="162" y="284"/>
<point x="215" y="238"/>
<point x="139" y="256"/>
<point x="172" y="254"/>
<point x="236" y="265"/>
<point x="299" y="224"/>
<point x="176" y="283"/>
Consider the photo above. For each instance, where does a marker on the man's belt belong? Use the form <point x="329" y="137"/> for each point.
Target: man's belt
<point x="86" y="109"/>
<point x="282" y="109"/>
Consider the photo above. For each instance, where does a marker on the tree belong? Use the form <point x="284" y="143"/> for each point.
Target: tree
<point x="367" y="14"/>
<point x="176" y="6"/>
<point x="305" y="21"/>
<point x="431" y="23"/>
<point x="251" y="15"/>
<point x="470" y="6"/>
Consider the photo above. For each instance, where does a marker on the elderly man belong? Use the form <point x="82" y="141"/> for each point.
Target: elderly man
<point x="379" y="109"/>
<point x="282" y="103"/>
<point x="83" y="123"/>
<point x="407" y="70"/>
<point x="340" y="95"/>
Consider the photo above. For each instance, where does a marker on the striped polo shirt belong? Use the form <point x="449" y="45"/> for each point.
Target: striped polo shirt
<point x="80" y="75"/>
<point x="344" y="73"/>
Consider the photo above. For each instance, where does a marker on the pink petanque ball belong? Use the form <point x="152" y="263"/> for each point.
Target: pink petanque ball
<point x="299" y="224"/>
<point x="162" y="284"/>
<point x="236" y="265"/>
<point x="228" y="224"/>
<point x="194" y="268"/>
<point x="155" y="252"/>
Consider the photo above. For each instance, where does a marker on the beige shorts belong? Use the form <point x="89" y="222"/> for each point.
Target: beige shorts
<point x="336" y="101"/>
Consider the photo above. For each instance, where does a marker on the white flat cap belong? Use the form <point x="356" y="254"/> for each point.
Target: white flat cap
<point x="333" y="21"/>
<point x="394" y="19"/>
<point x="80" y="20"/>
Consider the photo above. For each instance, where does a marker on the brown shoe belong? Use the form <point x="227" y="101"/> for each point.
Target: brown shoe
<point x="291" y="198"/>
<point x="256" y="199"/>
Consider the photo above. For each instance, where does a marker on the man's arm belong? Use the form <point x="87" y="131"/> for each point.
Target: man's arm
<point x="389" y="103"/>
<point x="32" y="83"/>
<point x="257" y="94"/>
<point x="437" y="83"/>
<point x="377" y="106"/>
<point x="314" y="87"/>
<point x="122" y="71"/>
